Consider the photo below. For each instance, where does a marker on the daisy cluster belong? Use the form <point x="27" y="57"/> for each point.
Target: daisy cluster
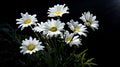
<point x="55" y="28"/>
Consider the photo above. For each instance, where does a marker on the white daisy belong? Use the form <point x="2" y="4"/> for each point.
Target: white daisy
<point x="31" y="46"/>
<point x="26" y="20"/>
<point x="68" y="37"/>
<point x="39" y="27"/>
<point x="77" y="28"/>
<point x="71" y="39"/>
<point x="57" y="10"/>
<point x="53" y="27"/>
<point x="89" y="20"/>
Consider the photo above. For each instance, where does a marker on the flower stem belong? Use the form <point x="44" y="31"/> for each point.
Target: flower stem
<point x="35" y="33"/>
<point x="17" y="37"/>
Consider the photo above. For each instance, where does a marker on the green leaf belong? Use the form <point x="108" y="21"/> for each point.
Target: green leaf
<point x="79" y="55"/>
<point x="83" y="58"/>
<point x="90" y="64"/>
<point x="89" y="60"/>
<point x="48" y="59"/>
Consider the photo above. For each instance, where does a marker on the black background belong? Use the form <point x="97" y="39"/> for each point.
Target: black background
<point x="102" y="44"/>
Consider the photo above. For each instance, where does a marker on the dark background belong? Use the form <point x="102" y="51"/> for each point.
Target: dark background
<point x="102" y="43"/>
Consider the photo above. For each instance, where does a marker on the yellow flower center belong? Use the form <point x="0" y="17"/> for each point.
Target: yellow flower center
<point x="88" y="21"/>
<point x="31" y="47"/>
<point x="27" y="21"/>
<point x="58" y="12"/>
<point x="53" y="29"/>
<point x="68" y="39"/>
<point x="76" y="29"/>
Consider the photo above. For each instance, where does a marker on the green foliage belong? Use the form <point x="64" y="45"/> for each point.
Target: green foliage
<point x="62" y="57"/>
<point x="57" y="54"/>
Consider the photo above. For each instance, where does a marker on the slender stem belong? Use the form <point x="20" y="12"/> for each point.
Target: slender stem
<point x="35" y="33"/>
<point x="52" y="42"/>
<point x="55" y="42"/>
<point x="48" y="42"/>
<point x="45" y="38"/>
<point x="17" y="37"/>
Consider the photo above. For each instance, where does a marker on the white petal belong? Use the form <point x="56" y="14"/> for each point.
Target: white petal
<point x="19" y="22"/>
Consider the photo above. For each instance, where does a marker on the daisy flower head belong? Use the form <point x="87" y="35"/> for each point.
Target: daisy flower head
<point x="77" y="28"/>
<point x="53" y="27"/>
<point x="26" y="20"/>
<point x="89" y="20"/>
<point x="39" y="27"/>
<point x="57" y="10"/>
<point x="71" y="39"/>
<point x="68" y="37"/>
<point x="31" y="45"/>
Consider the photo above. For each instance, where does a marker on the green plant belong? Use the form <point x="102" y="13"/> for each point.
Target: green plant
<point x="55" y="43"/>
